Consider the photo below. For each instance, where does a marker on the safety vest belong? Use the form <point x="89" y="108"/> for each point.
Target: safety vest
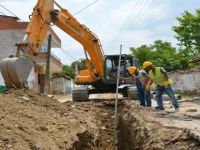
<point x="158" y="78"/>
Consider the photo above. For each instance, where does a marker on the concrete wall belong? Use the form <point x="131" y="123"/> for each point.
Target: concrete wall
<point x="8" y="38"/>
<point x="61" y="86"/>
<point x="58" y="85"/>
<point x="31" y="81"/>
<point x="186" y="81"/>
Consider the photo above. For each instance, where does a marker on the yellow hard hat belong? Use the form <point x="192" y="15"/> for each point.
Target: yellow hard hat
<point x="132" y="69"/>
<point x="146" y="64"/>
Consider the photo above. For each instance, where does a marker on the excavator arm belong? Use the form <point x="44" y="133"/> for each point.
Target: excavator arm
<point x="15" y="70"/>
<point x="65" y="21"/>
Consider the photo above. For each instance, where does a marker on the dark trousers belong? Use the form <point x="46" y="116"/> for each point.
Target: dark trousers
<point x="144" y="97"/>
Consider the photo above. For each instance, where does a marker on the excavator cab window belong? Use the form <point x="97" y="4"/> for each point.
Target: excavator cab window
<point x="111" y="66"/>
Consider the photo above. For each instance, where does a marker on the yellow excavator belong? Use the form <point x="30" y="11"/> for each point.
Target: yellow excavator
<point x="101" y="69"/>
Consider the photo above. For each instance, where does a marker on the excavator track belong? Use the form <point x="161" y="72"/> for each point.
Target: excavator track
<point x="80" y="95"/>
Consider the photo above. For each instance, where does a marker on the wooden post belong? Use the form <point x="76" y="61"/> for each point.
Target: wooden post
<point x="46" y="87"/>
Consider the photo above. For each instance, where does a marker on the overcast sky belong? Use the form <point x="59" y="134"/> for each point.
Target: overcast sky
<point x="127" y="22"/>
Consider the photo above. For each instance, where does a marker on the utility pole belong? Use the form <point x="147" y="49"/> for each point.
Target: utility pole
<point x="46" y="86"/>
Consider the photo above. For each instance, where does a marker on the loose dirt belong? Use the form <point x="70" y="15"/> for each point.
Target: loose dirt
<point x="31" y="121"/>
<point x="141" y="129"/>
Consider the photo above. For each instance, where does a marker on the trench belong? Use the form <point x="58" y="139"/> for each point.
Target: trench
<point x="138" y="131"/>
<point x="44" y="123"/>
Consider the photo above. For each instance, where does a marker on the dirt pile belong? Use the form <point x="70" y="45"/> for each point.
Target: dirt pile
<point x="31" y="121"/>
<point x="139" y="130"/>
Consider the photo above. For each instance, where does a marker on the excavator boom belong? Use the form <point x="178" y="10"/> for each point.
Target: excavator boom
<point x="16" y="69"/>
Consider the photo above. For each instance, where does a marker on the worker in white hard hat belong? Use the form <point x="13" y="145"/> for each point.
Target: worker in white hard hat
<point x="160" y="78"/>
<point x="140" y="78"/>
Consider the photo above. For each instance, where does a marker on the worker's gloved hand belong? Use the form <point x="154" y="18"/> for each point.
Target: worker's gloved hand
<point x="147" y="88"/>
<point x="165" y="84"/>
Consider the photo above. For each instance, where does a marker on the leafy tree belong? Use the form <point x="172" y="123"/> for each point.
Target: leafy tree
<point x="188" y="32"/>
<point x="67" y="70"/>
<point x="80" y="64"/>
<point x="142" y="53"/>
<point x="162" y="54"/>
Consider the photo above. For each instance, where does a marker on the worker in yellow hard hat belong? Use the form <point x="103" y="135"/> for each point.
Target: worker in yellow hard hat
<point x="160" y="78"/>
<point x="139" y="76"/>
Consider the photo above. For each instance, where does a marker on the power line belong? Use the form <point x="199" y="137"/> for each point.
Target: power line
<point x="131" y="21"/>
<point x="63" y="53"/>
<point x="10" y="12"/>
<point x="2" y="13"/>
<point x="127" y="19"/>
<point x="140" y="18"/>
<point x="140" y="8"/>
<point x="85" y="7"/>
<point x="68" y="54"/>
<point x="137" y="18"/>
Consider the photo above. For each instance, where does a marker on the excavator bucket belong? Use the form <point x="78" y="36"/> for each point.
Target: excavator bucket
<point x="16" y="70"/>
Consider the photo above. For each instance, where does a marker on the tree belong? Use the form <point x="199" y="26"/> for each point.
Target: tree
<point x="142" y="53"/>
<point x="162" y="54"/>
<point x="80" y="64"/>
<point x="188" y="32"/>
<point x="67" y="70"/>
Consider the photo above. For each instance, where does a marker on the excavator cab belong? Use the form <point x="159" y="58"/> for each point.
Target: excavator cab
<point x="111" y="66"/>
<point x="108" y="85"/>
<point x="126" y="87"/>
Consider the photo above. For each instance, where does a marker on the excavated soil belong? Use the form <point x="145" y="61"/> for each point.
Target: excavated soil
<point x="140" y="130"/>
<point x="31" y="121"/>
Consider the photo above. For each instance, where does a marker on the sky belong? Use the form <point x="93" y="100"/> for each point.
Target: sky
<point x="115" y="22"/>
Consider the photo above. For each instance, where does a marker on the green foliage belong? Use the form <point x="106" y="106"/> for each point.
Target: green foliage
<point x="162" y="54"/>
<point x="67" y="70"/>
<point x="79" y="64"/>
<point x="188" y="32"/>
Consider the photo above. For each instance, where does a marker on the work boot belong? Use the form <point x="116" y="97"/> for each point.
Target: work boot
<point x="177" y="109"/>
<point x="157" y="108"/>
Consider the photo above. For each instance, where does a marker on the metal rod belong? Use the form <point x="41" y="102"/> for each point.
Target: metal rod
<point x="46" y="87"/>
<point x="116" y="102"/>
<point x="86" y="56"/>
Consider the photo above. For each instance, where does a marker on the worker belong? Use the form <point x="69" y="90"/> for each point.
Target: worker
<point x="162" y="82"/>
<point x="140" y="77"/>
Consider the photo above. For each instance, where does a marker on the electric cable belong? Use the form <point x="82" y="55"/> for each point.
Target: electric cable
<point x="139" y="17"/>
<point x="85" y="7"/>
<point x="11" y="12"/>
<point x="65" y="55"/>
<point x="3" y="13"/>
<point x="68" y="54"/>
<point x="129" y="17"/>
<point x="132" y="22"/>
